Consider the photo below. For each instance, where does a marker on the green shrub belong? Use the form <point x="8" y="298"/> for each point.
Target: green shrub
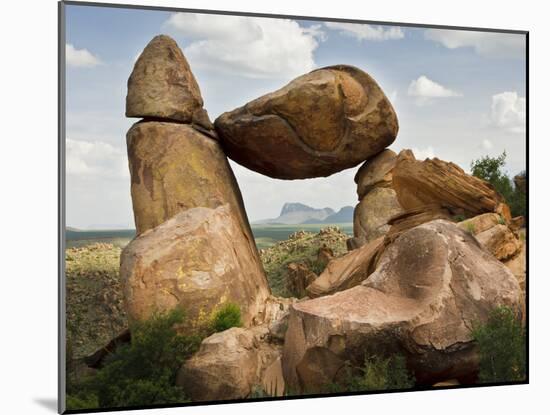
<point x="471" y="228"/>
<point x="459" y="218"/>
<point x="142" y="372"/>
<point x="380" y="373"/>
<point x="229" y="315"/>
<point x="502" y="347"/>
<point x="501" y="220"/>
<point x="490" y="170"/>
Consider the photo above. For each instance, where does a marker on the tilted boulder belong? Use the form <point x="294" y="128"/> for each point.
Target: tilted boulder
<point x="298" y="277"/>
<point x="321" y="123"/>
<point x="173" y="167"/>
<point x="231" y="365"/>
<point x="480" y="223"/>
<point x="414" y="217"/>
<point x="430" y="286"/>
<point x="347" y="271"/>
<point x="436" y="182"/>
<point x="162" y="86"/>
<point x="199" y="259"/>
<point x="500" y="241"/>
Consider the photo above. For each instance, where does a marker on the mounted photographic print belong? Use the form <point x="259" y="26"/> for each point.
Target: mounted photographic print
<point x="258" y="207"/>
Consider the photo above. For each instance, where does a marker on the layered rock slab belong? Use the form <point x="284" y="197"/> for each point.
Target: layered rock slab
<point x="320" y="123"/>
<point x="436" y="182"/>
<point x="162" y="85"/>
<point x="431" y="284"/>
<point x="199" y="260"/>
<point x="173" y="167"/>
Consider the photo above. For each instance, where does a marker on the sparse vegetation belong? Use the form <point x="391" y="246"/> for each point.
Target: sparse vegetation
<point x="380" y="373"/>
<point x="459" y="218"/>
<point x="301" y="247"/>
<point x="229" y="315"/>
<point x="502" y="347"/>
<point x="471" y="228"/>
<point x="142" y="372"/>
<point x="491" y="170"/>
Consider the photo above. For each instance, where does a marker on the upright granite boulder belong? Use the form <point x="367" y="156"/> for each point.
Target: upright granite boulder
<point x="377" y="199"/>
<point x="194" y="246"/>
<point x="321" y="123"/>
<point x="163" y="86"/>
<point x="199" y="260"/>
<point x="174" y="167"/>
<point x="430" y="286"/>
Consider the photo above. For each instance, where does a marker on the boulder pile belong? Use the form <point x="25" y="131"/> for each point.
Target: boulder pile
<point x="414" y="282"/>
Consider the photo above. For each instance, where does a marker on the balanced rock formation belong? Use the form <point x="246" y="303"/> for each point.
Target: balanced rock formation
<point x="321" y="123"/>
<point x="347" y="271"/>
<point x="163" y="86"/>
<point x="199" y="260"/>
<point x="377" y="200"/>
<point x="174" y="167"/>
<point x="431" y="284"/>
<point x="436" y="182"/>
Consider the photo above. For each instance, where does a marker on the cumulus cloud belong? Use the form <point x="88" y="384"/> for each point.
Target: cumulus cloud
<point x="366" y="31"/>
<point x="423" y="153"/>
<point x="95" y="158"/>
<point x="80" y="58"/>
<point x="249" y="46"/>
<point x="423" y="87"/>
<point x="508" y="112"/>
<point x="491" y="45"/>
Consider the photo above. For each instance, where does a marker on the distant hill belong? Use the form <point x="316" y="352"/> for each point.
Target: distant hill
<point x="298" y="213"/>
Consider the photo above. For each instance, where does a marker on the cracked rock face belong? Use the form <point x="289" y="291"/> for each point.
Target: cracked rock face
<point x="431" y="284"/>
<point x="199" y="260"/>
<point x="321" y="123"/>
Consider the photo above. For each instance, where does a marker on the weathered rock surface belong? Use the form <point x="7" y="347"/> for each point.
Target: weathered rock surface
<point x="429" y="287"/>
<point x="520" y="180"/>
<point x="372" y="214"/>
<point x="375" y="172"/>
<point x="163" y="86"/>
<point x="298" y="277"/>
<point x="347" y="271"/>
<point x="173" y="167"/>
<point x="500" y="241"/>
<point x="321" y="123"/>
<point x="480" y="223"/>
<point x="199" y="259"/>
<point x="436" y="182"/>
<point x="518" y="266"/>
<point x="231" y="364"/>
<point x="414" y="217"/>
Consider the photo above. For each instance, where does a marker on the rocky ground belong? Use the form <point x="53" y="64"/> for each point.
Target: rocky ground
<point x="95" y="312"/>
<point x="301" y="248"/>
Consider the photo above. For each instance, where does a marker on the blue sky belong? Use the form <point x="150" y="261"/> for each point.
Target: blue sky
<point x="459" y="95"/>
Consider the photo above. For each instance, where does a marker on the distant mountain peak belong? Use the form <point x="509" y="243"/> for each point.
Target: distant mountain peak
<point x="290" y="207"/>
<point x="297" y="213"/>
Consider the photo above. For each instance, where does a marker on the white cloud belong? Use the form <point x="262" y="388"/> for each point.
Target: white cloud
<point x="423" y="153"/>
<point x="486" y="144"/>
<point x="95" y="158"/>
<point x="508" y="112"/>
<point x="423" y="87"/>
<point x="492" y="45"/>
<point x="366" y="31"/>
<point x="80" y="58"/>
<point x="248" y="46"/>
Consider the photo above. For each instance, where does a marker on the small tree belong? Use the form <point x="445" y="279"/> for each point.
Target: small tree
<point x="380" y="373"/>
<point x="490" y="169"/>
<point x="502" y="347"/>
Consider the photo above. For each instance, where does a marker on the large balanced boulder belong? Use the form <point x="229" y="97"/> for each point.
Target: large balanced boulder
<point x="198" y="260"/>
<point x="321" y="123"/>
<point x="433" y="181"/>
<point x="162" y="85"/>
<point x="430" y="286"/>
<point x="173" y="167"/>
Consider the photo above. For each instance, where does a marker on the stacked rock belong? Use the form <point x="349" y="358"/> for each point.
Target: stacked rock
<point x="377" y="199"/>
<point x="194" y="246"/>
